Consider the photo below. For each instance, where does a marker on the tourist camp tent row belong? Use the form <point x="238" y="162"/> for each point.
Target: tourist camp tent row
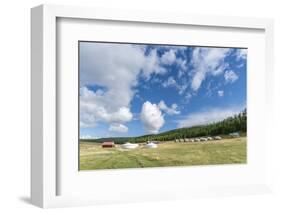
<point x="234" y="134"/>
<point x="149" y="145"/>
<point x="198" y="139"/>
<point x="110" y="144"/>
<point x="153" y="144"/>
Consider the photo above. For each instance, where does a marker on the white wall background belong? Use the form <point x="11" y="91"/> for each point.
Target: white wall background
<point x="15" y="98"/>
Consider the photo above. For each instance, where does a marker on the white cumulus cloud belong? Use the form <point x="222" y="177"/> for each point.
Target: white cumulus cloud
<point x="208" y="116"/>
<point x="169" y="82"/>
<point x="152" y="64"/>
<point x="220" y="93"/>
<point x="207" y="61"/>
<point x="230" y="76"/>
<point x="173" y="110"/>
<point x="97" y="106"/>
<point x="152" y="117"/>
<point x="241" y="54"/>
<point x="169" y="57"/>
<point x="115" y="68"/>
<point x="115" y="127"/>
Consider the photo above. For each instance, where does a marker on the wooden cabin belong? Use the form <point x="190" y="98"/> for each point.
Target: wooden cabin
<point x="108" y="144"/>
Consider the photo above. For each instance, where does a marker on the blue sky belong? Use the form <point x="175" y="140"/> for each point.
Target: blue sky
<point x="131" y="90"/>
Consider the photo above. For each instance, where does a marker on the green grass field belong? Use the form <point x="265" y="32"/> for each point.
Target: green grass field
<point x="226" y="151"/>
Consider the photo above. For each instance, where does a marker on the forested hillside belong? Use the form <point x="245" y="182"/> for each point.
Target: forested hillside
<point x="237" y="123"/>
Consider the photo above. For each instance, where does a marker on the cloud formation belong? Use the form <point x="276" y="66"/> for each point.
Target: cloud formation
<point x="171" y="82"/>
<point x="207" y="61"/>
<point x="169" y="57"/>
<point x="110" y="75"/>
<point x="152" y="64"/>
<point x="208" y="116"/>
<point x="98" y="106"/>
<point x="220" y="93"/>
<point x="241" y="54"/>
<point x="152" y="118"/>
<point x="105" y="65"/>
<point x="173" y="110"/>
<point x="116" y="68"/>
<point x="115" y="127"/>
<point x="230" y="76"/>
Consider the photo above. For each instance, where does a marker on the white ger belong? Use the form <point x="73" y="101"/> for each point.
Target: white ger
<point x="129" y="146"/>
<point x="151" y="145"/>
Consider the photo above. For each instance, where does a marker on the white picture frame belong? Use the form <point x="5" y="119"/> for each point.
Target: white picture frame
<point x="44" y="149"/>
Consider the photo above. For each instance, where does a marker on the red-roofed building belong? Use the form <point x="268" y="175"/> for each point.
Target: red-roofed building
<point x="108" y="144"/>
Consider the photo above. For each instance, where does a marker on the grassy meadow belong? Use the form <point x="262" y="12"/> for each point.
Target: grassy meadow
<point x="225" y="151"/>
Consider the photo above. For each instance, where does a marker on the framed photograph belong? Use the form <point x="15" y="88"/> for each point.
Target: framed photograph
<point x="130" y="106"/>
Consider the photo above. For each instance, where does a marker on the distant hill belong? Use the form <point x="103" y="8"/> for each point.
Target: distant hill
<point x="237" y="123"/>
